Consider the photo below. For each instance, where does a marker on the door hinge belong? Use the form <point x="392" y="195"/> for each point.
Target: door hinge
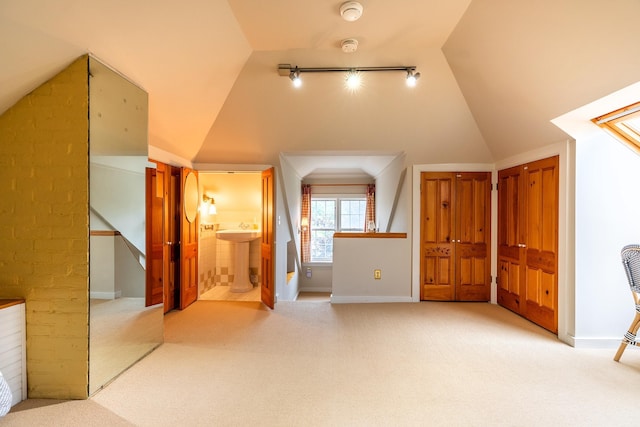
<point x="494" y="186"/>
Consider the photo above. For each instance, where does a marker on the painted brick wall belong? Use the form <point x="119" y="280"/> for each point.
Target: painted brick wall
<point x="44" y="240"/>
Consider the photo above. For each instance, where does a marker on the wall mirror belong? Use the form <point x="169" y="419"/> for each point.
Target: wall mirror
<point x="191" y="197"/>
<point x="121" y="329"/>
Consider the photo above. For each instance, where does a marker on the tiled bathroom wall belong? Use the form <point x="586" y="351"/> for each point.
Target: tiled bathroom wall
<point x="207" y="258"/>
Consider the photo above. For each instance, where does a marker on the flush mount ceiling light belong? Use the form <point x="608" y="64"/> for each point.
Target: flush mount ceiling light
<point x="349" y="45"/>
<point x="293" y="72"/>
<point x="351" y="11"/>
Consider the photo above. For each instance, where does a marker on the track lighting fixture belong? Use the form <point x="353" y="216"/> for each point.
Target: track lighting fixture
<point x="412" y="78"/>
<point x="353" y="73"/>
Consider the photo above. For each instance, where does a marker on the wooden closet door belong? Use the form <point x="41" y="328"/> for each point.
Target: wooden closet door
<point x="541" y="296"/>
<point x="436" y="233"/>
<point x="528" y="207"/>
<point x="511" y="251"/>
<point x="472" y="235"/>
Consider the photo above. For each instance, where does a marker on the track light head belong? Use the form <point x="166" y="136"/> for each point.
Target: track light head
<point x="353" y="80"/>
<point x="294" y="75"/>
<point x="412" y="77"/>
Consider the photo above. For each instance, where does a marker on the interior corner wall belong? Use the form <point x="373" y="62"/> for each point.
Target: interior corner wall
<point x="44" y="239"/>
<point x="291" y="194"/>
<point x="285" y="290"/>
<point x="388" y="192"/>
<point x="606" y="203"/>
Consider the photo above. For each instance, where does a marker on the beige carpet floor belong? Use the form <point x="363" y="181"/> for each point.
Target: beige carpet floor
<point x="317" y="364"/>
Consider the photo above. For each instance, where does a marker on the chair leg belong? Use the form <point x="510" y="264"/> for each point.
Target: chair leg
<point x="629" y="337"/>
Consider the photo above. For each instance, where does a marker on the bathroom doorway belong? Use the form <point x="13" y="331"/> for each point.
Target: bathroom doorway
<point x="230" y="200"/>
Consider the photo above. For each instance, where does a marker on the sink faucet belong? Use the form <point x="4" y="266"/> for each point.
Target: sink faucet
<point x="244" y="226"/>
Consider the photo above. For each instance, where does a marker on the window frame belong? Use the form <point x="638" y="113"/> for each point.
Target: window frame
<point x="614" y="121"/>
<point x="338" y="198"/>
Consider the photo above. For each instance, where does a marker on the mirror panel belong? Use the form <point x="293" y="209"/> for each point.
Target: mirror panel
<point x="121" y="329"/>
<point x="191" y="197"/>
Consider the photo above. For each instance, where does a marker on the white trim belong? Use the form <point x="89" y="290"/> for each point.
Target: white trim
<point x="597" y="343"/>
<point x="314" y="289"/>
<point x="415" y="221"/>
<point x="105" y="295"/>
<point x="367" y="299"/>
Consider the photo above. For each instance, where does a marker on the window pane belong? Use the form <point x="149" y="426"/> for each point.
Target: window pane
<point x="323" y="214"/>
<point x="352" y="215"/>
<point x="322" y="245"/>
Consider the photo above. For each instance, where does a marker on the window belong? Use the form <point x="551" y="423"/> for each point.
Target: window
<point x="331" y="214"/>
<point x="623" y="124"/>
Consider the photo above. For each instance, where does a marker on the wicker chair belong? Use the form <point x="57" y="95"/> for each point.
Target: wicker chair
<point x="631" y="262"/>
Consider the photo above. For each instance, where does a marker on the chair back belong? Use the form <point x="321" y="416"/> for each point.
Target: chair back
<point x="631" y="261"/>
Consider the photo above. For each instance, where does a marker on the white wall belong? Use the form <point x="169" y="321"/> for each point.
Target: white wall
<point x="117" y="192"/>
<point x="389" y="185"/>
<point x="607" y="206"/>
<point x="354" y="262"/>
<point x="290" y="192"/>
<point x="129" y="274"/>
<point x="285" y="290"/>
<point x="320" y="280"/>
<point x="102" y="268"/>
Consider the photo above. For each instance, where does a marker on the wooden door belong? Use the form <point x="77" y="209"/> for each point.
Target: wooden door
<point x="154" y="193"/>
<point x="171" y="249"/>
<point x="511" y="238"/>
<point x="437" y="275"/>
<point x="163" y="234"/>
<point x="473" y="235"/>
<point x="188" y="240"/>
<point x="528" y="207"/>
<point x="541" y="296"/>
<point x="455" y="236"/>
<point x="267" y="242"/>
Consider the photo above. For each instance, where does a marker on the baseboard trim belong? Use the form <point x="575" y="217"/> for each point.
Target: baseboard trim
<point x="595" y="343"/>
<point x="368" y="299"/>
<point x="105" y="295"/>
<point x="315" y="289"/>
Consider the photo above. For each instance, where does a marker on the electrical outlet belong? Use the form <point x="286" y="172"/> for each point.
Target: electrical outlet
<point x="377" y="274"/>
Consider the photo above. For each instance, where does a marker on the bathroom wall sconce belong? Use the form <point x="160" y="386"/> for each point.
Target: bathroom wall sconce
<point x="209" y="205"/>
<point x="293" y="72"/>
<point x="304" y="224"/>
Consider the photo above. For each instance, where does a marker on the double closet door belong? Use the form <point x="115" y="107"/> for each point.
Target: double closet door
<point x="455" y="231"/>
<point x="528" y="241"/>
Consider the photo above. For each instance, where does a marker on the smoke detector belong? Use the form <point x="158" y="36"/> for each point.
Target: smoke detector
<point x="351" y="11"/>
<point x="349" y="45"/>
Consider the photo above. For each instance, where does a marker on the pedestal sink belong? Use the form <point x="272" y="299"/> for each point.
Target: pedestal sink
<point x="242" y="239"/>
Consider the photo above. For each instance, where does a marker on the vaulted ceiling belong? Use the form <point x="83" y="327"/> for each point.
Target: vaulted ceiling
<point x="494" y="72"/>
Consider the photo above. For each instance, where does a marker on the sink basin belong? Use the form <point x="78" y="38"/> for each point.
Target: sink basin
<point x="238" y="236"/>
<point x="241" y="238"/>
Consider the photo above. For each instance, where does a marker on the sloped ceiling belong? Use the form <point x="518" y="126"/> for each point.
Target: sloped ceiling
<point x="185" y="54"/>
<point x="521" y="64"/>
<point x="494" y="72"/>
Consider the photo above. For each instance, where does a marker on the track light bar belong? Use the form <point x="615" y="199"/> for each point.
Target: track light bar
<point x="286" y="69"/>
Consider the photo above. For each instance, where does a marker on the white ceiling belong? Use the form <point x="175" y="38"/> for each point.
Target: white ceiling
<point x="494" y="72"/>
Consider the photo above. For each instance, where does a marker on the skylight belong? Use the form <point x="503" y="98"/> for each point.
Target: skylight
<point x="623" y="124"/>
